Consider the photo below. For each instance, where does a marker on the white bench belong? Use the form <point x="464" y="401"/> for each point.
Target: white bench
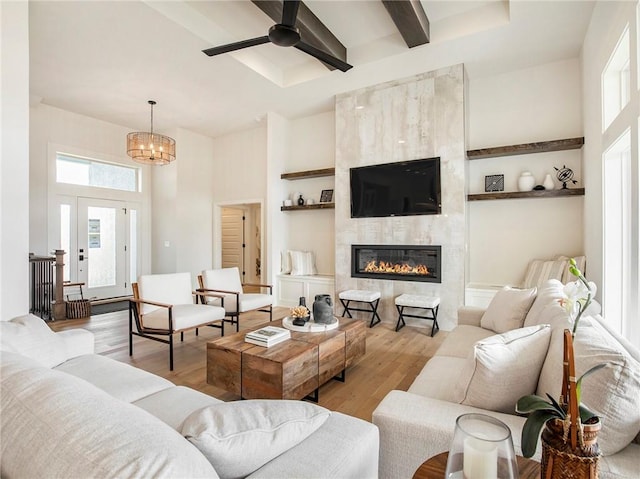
<point x="429" y="303"/>
<point x="371" y="298"/>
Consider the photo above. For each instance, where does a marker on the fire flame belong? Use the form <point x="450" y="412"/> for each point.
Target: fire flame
<point x="395" y="268"/>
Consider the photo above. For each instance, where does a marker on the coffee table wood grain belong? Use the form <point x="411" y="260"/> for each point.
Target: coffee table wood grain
<point x="289" y="370"/>
<point x="435" y="467"/>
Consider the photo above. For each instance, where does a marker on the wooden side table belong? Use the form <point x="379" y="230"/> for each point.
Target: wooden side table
<point x="435" y="467"/>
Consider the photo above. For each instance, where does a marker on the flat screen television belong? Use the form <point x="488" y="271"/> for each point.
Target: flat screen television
<point x="396" y="189"/>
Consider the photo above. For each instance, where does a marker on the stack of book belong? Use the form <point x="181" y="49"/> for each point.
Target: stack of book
<point x="267" y="336"/>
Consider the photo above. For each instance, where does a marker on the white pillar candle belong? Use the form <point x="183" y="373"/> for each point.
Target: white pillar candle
<point x="480" y="459"/>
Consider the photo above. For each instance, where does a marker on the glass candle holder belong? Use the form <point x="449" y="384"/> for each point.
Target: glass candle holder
<point x="482" y="448"/>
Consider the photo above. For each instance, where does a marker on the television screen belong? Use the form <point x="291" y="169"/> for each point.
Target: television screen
<point x="396" y="189"/>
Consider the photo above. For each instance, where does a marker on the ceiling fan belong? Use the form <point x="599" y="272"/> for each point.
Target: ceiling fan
<point x="283" y="34"/>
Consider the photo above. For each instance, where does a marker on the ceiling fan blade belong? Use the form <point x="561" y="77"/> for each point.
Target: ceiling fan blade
<point x="290" y="12"/>
<point x="323" y="56"/>
<point x="235" y="46"/>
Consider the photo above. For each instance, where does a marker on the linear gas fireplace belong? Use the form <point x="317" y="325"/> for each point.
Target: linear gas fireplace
<point x="402" y="263"/>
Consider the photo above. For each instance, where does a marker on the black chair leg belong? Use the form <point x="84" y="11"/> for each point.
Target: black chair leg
<point x="170" y="352"/>
<point x="400" y="324"/>
<point x="181" y="335"/>
<point x="130" y="332"/>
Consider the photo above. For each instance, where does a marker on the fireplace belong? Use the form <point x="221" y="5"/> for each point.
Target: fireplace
<point x="400" y="263"/>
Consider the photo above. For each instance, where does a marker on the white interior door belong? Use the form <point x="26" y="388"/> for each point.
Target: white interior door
<point x="102" y="254"/>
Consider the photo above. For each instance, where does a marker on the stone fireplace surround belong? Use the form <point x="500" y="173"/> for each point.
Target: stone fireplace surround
<point x="417" y="117"/>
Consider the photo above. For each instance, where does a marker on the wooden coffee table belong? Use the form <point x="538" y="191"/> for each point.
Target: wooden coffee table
<point x="293" y="369"/>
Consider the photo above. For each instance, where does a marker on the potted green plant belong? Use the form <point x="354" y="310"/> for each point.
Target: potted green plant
<point x="570" y="429"/>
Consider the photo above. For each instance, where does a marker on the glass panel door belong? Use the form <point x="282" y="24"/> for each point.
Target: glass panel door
<point x="101" y="254"/>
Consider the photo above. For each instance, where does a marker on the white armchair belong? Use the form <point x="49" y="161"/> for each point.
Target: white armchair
<point x="226" y="281"/>
<point x="162" y="305"/>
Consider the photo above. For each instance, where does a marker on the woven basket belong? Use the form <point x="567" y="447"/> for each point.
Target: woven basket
<point x="78" y="308"/>
<point x="569" y="448"/>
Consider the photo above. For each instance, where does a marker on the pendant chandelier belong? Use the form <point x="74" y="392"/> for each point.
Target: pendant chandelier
<point x="149" y="147"/>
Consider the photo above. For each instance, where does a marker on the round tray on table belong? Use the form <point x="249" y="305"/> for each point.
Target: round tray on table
<point x="310" y="326"/>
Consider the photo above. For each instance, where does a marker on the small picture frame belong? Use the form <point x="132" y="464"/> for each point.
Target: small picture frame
<point x="493" y="183"/>
<point x="326" y="196"/>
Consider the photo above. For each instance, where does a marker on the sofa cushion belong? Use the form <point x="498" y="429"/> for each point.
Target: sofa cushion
<point x="612" y="392"/>
<point x="438" y="378"/>
<point x="173" y="405"/>
<point x="459" y="342"/>
<point x="57" y="425"/>
<point x="541" y="270"/>
<point x="303" y="263"/>
<point x="240" y="437"/>
<point x="503" y="368"/>
<point x="117" y="379"/>
<point x="508" y="309"/>
<point x="31" y="337"/>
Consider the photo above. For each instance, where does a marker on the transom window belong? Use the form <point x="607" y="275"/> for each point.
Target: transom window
<point x="81" y="171"/>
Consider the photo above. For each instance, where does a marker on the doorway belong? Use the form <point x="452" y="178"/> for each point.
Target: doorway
<point x="241" y="240"/>
<point x="101" y="240"/>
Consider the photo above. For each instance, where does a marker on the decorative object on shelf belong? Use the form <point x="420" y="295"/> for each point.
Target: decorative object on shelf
<point x="326" y="196"/>
<point x="539" y="188"/>
<point x="323" y="309"/>
<point x="288" y="203"/>
<point x="482" y="447"/>
<point x="565" y="175"/>
<point x="526" y="182"/>
<point x="149" y="147"/>
<point x="300" y="201"/>
<point x="569" y="438"/>
<point x="548" y="182"/>
<point x="494" y="183"/>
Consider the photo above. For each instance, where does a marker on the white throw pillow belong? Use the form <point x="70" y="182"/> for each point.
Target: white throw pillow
<point x="30" y="336"/>
<point x="285" y="262"/>
<point x="508" y="309"/>
<point x="541" y="270"/>
<point x="303" y="263"/>
<point x="502" y="368"/>
<point x="612" y="392"/>
<point x="240" y="437"/>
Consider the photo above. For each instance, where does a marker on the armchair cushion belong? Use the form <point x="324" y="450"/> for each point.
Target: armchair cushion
<point x="172" y="288"/>
<point x="185" y="316"/>
<point x="240" y="437"/>
<point x="224" y="279"/>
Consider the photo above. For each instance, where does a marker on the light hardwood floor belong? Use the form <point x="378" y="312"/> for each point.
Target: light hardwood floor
<point x="392" y="360"/>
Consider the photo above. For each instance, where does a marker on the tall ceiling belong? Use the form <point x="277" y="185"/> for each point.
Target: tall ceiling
<point x="105" y="59"/>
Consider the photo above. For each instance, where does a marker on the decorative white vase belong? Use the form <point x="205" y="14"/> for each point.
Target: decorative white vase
<point x="548" y="183"/>
<point x="526" y="182"/>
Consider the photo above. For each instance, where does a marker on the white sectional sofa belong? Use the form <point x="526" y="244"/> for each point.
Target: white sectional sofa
<point x="67" y="412"/>
<point x="477" y="370"/>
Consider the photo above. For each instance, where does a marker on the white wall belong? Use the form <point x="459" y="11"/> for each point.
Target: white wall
<point x="536" y="104"/>
<point x="194" y="209"/>
<point x="238" y="176"/>
<point x="14" y="162"/>
<point x="313" y="144"/>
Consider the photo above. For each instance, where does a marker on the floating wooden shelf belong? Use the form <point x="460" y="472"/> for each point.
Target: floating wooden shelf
<point x="299" y="175"/>
<point x="315" y="206"/>
<point x="525" y="148"/>
<point x="527" y="194"/>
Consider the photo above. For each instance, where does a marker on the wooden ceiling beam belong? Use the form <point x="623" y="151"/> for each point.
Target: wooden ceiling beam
<point x="411" y="20"/>
<point x="312" y="30"/>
